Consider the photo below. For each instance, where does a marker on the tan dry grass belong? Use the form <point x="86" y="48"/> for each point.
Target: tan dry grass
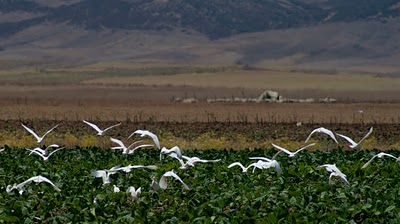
<point x="261" y="79"/>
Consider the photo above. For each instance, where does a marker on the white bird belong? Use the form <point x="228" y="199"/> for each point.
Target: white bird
<point x="334" y="172"/>
<point x="116" y="189"/>
<point x="291" y="154"/>
<point x="174" y="149"/>
<point x="379" y="155"/>
<point x="322" y="130"/>
<point x="133" y="193"/>
<point x="45" y="151"/>
<point x="144" y="133"/>
<point x="163" y="180"/>
<point x="128" y="150"/>
<point x="266" y="163"/>
<point x="190" y="161"/>
<point x="105" y="174"/>
<point x="99" y="131"/>
<point x="37" y="179"/>
<point x="45" y="158"/>
<point x="353" y="144"/>
<point x="128" y="168"/>
<point x="262" y="164"/>
<point x="244" y="169"/>
<point x="39" y="139"/>
<point x="1" y="150"/>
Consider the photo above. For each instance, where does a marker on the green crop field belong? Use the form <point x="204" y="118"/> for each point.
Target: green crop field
<point x="301" y="194"/>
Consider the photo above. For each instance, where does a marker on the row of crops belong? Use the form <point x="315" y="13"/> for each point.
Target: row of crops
<point x="217" y="194"/>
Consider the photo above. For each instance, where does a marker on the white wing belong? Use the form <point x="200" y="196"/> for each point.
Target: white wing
<point x="283" y="149"/>
<point x="40" y="154"/>
<point x="304" y="147"/>
<point x="174" y="175"/>
<point x="147" y="133"/>
<point x="111" y="127"/>
<point x="53" y="152"/>
<point x="31" y="131"/>
<point x="309" y="136"/>
<point x="330" y="133"/>
<point x="367" y="135"/>
<point x="49" y="131"/>
<point x="120" y="143"/>
<point x="347" y="139"/>
<point x="93" y="126"/>
<point x="237" y="164"/>
<point x="262" y="158"/>
<point x="379" y="155"/>
<point x="39" y="179"/>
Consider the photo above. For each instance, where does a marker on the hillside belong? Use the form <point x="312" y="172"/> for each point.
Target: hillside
<point x="310" y="33"/>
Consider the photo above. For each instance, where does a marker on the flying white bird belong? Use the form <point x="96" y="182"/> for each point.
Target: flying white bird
<point x="99" y="131"/>
<point x="105" y="174"/>
<point x="45" y="151"/>
<point x="174" y="149"/>
<point x="353" y="144"/>
<point x="128" y="150"/>
<point x="144" y="133"/>
<point x="334" y="172"/>
<point x="291" y="154"/>
<point x="265" y="164"/>
<point x="322" y="130"/>
<point x="37" y="179"/>
<point x="190" y="161"/>
<point x="133" y="193"/>
<point x="45" y="158"/>
<point x="116" y="189"/>
<point x="163" y="180"/>
<point x="39" y="139"/>
<point x="128" y="168"/>
<point x="244" y="169"/>
<point x="379" y="155"/>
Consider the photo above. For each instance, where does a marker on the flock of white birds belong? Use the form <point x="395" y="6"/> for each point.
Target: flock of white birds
<point x="185" y="161"/>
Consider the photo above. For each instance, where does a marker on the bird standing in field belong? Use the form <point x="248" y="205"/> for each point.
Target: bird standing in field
<point x="99" y="131"/>
<point x="353" y="144"/>
<point x="379" y="155"/>
<point x="37" y="179"/>
<point x="39" y="139"/>
<point x="144" y="133"/>
<point x="322" y="130"/>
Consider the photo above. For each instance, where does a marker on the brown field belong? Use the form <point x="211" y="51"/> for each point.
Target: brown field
<point x="142" y="96"/>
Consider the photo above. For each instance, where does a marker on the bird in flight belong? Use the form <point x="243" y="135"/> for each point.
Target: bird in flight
<point x="379" y="155"/>
<point x="100" y="132"/>
<point x="291" y="154"/>
<point x="353" y="144"/>
<point x="322" y="130"/>
<point x="45" y="158"/>
<point x="144" y="133"/>
<point x="163" y="180"/>
<point x="334" y="172"/>
<point x="37" y="179"/>
<point x="39" y="139"/>
<point x="128" y="150"/>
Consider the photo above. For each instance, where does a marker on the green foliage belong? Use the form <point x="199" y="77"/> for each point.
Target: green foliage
<point x="217" y="194"/>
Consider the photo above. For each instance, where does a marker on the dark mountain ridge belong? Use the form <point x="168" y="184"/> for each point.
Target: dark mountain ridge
<point x="214" y="18"/>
